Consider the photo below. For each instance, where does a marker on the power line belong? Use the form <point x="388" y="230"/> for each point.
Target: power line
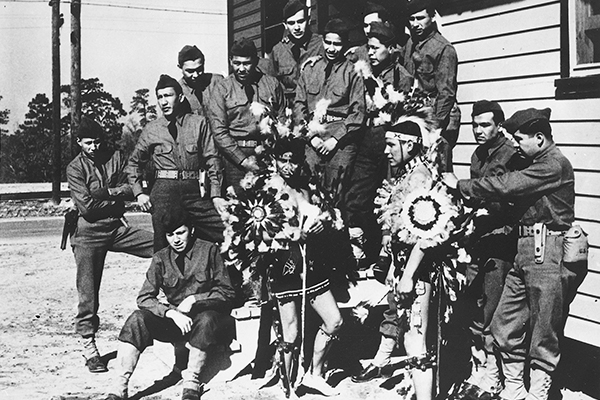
<point x="126" y="6"/>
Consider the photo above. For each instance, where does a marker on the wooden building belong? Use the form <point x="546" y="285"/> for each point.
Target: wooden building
<point x="521" y="53"/>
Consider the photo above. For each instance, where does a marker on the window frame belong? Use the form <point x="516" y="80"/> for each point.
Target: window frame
<point x="573" y="83"/>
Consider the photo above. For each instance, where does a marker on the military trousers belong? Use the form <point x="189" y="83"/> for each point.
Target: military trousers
<point x="209" y="327"/>
<point x="531" y="315"/>
<point x="91" y="242"/>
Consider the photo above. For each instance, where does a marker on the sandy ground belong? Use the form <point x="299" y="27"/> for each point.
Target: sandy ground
<point x="40" y="354"/>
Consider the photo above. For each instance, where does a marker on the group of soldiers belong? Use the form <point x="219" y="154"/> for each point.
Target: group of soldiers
<point x="205" y="141"/>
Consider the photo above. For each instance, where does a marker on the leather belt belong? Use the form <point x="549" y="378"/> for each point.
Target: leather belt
<point x="525" y="231"/>
<point x="177" y="174"/>
<point x="247" y="143"/>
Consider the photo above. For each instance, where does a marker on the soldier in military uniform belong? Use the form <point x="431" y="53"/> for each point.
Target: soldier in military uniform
<point x="495" y="250"/>
<point x="432" y="60"/>
<point x="180" y="146"/>
<point x="99" y="189"/>
<point x="332" y="151"/>
<point x="193" y="278"/>
<point x="195" y="82"/>
<point x="371" y="166"/>
<point x="530" y="317"/>
<point x="298" y="45"/>
<point x="235" y="128"/>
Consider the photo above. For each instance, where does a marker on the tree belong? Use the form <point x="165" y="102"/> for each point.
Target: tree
<point x="140" y="104"/>
<point x="98" y="104"/>
<point x="4" y="118"/>
<point x="140" y="114"/>
<point x="25" y="154"/>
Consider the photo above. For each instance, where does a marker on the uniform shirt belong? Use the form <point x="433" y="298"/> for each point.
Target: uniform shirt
<point x="205" y="85"/>
<point x="345" y="89"/>
<point x="99" y="188"/>
<point x="545" y="190"/>
<point x="434" y="64"/>
<point x="230" y="115"/>
<point x="285" y="67"/>
<point x="204" y="277"/>
<point x="194" y="149"/>
<point x="495" y="158"/>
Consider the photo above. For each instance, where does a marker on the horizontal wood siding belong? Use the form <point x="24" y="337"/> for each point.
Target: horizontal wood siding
<point x="246" y="21"/>
<point x="511" y="54"/>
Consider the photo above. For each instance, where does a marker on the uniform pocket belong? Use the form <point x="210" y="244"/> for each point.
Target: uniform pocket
<point x="191" y="148"/>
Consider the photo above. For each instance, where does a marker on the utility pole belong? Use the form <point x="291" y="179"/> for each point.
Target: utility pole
<point x="56" y="153"/>
<point x="75" y="72"/>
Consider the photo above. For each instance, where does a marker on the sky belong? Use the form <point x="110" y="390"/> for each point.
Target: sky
<point x="126" y="48"/>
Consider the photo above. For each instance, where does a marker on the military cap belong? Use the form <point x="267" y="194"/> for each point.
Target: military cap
<point x="290" y="145"/>
<point x="383" y="32"/>
<point x="244" y="47"/>
<point x="414" y="6"/>
<point x="338" y="26"/>
<point x="525" y="117"/>
<point x="405" y="130"/>
<point x="372" y="8"/>
<point x="175" y="218"/>
<point x="189" y="52"/>
<point x="483" y="106"/>
<point x="88" y="128"/>
<point x="166" y="81"/>
<point x="292" y="7"/>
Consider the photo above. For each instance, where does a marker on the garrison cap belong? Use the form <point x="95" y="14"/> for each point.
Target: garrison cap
<point x="166" y="81"/>
<point x="372" y="8"/>
<point x="189" y="52"/>
<point x="483" y="106"/>
<point x="414" y="6"/>
<point x="292" y="7"/>
<point x="244" y="47"/>
<point x="88" y="128"/>
<point x="382" y="31"/>
<point x="338" y="26"/>
<point x="175" y="218"/>
<point x="523" y="117"/>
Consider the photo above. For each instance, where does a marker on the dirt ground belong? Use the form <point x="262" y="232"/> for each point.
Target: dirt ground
<point x="40" y="355"/>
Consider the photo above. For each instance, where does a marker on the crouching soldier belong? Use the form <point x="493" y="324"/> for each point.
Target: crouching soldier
<point x="198" y="292"/>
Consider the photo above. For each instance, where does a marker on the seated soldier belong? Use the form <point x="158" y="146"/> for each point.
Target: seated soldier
<point x="198" y="292"/>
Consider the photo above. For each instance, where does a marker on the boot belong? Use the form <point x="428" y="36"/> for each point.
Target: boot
<point x="540" y="385"/>
<point x="192" y="390"/>
<point x="127" y="359"/>
<point x="92" y="356"/>
<point x="490" y="379"/>
<point x="514" y="387"/>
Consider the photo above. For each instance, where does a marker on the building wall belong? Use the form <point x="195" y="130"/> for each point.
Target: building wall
<point x="510" y="53"/>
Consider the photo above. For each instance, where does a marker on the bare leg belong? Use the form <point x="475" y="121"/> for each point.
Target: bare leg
<point x="414" y="342"/>
<point x="289" y="326"/>
<point x="326" y="306"/>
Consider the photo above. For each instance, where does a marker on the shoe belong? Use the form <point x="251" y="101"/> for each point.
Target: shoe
<point x="371" y="372"/>
<point x="96" y="365"/>
<point x="191" y="394"/>
<point x="319" y="384"/>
